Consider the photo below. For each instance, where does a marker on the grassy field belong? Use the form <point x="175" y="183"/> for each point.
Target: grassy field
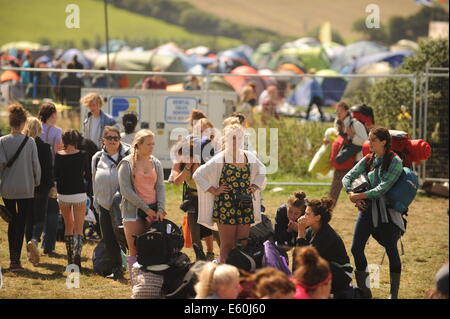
<point x="25" y="20"/>
<point x="425" y="243"/>
<point x="298" y="17"/>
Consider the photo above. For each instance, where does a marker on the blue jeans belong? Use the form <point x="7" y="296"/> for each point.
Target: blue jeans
<point x="51" y="225"/>
<point x="387" y="235"/>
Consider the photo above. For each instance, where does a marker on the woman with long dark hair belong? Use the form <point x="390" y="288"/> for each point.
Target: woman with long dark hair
<point x="376" y="218"/>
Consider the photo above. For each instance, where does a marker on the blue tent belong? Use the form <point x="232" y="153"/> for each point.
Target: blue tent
<point x="333" y="89"/>
<point x="234" y="57"/>
<point x="304" y="92"/>
<point x="68" y="55"/>
<point x="393" y="58"/>
<point x="352" y="52"/>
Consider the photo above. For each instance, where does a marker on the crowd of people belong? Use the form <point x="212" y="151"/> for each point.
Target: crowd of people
<point x="222" y="197"/>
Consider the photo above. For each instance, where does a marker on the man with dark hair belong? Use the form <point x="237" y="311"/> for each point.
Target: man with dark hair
<point x="70" y="88"/>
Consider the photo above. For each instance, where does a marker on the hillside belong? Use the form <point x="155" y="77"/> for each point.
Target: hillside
<point x="32" y="20"/>
<point x="297" y="17"/>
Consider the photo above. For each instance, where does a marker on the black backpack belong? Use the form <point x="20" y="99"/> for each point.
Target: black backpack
<point x="248" y="257"/>
<point x="180" y="278"/>
<point x="160" y="245"/>
<point x="101" y="261"/>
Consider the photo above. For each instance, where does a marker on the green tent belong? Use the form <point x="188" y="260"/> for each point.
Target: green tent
<point x="306" y="58"/>
<point x="218" y="83"/>
<point x="142" y="61"/>
<point x="262" y="55"/>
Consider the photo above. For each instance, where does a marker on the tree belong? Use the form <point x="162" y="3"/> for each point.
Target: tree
<point x="371" y="34"/>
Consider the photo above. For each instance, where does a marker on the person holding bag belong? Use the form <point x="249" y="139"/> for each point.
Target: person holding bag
<point x="20" y="173"/>
<point x="376" y="218"/>
<point x="141" y="181"/>
<point x="229" y="187"/>
<point x="346" y="148"/>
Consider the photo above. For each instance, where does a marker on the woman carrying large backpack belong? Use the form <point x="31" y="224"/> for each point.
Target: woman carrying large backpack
<point x="376" y="218"/>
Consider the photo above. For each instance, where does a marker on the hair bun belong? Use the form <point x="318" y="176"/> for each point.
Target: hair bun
<point x="327" y="202"/>
<point x="309" y="256"/>
<point x="300" y="195"/>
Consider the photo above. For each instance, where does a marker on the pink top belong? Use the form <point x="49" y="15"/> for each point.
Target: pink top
<point x="145" y="185"/>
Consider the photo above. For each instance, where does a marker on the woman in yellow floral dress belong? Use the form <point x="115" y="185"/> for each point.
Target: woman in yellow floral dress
<point x="229" y="188"/>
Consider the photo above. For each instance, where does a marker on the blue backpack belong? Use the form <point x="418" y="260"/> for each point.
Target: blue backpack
<point x="403" y="192"/>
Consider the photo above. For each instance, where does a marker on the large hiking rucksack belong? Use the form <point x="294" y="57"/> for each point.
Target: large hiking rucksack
<point x="363" y="113"/>
<point x="410" y="151"/>
<point x="160" y="245"/>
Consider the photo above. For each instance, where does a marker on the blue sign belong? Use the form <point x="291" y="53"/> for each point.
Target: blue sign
<point x="120" y="105"/>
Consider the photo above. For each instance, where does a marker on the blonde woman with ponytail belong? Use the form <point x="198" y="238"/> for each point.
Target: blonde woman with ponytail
<point x="141" y="181"/>
<point x="218" y="281"/>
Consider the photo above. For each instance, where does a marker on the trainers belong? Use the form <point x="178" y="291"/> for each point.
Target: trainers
<point x="15" y="267"/>
<point x="33" y="251"/>
<point x="210" y="256"/>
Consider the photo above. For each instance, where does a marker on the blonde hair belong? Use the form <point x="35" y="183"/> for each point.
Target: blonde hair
<point x="204" y="124"/>
<point x="212" y="277"/>
<point x="234" y="129"/>
<point x="33" y="127"/>
<point x="230" y="120"/>
<point x="91" y="97"/>
<point x="139" y="139"/>
<point x="246" y="93"/>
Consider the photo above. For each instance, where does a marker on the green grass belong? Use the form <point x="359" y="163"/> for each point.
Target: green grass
<point x="425" y="243"/>
<point x="25" y="20"/>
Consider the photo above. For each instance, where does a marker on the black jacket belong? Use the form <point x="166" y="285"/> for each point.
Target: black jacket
<point x="283" y="236"/>
<point x="328" y="243"/>
<point x="46" y="161"/>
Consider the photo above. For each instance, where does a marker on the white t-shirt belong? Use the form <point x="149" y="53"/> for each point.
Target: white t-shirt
<point x="127" y="138"/>
<point x="94" y="130"/>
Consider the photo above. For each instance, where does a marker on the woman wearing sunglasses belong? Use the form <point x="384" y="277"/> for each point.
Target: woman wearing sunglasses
<point x="105" y="182"/>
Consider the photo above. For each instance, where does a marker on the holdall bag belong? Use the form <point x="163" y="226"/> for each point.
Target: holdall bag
<point x="159" y="245"/>
<point x="248" y="258"/>
<point x="403" y="192"/>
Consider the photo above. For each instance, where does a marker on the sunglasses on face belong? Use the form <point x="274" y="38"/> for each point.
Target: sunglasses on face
<point x="112" y="138"/>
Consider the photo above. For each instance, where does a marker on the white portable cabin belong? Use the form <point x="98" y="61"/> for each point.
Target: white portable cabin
<point x="165" y="113"/>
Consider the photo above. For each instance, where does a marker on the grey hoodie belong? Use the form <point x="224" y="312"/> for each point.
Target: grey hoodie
<point x="105" y="179"/>
<point x="18" y="181"/>
<point x="130" y="200"/>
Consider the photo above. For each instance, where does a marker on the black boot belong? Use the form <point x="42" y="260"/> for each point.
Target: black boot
<point x="78" y="245"/>
<point x="395" y="285"/>
<point x="69" y="247"/>
<point x="362" y="280"/>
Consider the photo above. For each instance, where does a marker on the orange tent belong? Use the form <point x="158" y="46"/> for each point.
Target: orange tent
<point x="9" y="75"/>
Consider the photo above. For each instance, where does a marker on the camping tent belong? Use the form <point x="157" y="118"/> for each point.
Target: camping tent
<point x="142" y="61"/>
<point x="232" y="58"/>
<point x="261" y="57"/>
<point x="332" y="87"/>
<point x="363" y="84"/>
<point x="354" y="51"/>
<point x="68" y="56"/>
<point x="20" y="45"/>
<point x="238" y="82"/>
<point x="394" y="59"/>
<point x="404" y="45"/>
<point x="219" y="83"/>
<point x="305" y="58"/>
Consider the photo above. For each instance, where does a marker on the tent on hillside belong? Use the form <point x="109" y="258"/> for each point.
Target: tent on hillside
<point x="354" y="51"/>
<point x="404" y="45"/>
<point x="363" y="84"/>
<point x="332" y="87"/>
<point x="68" y="56"/>
<point x="395" y="59"/>
<point x="238" y="82"/>
<point x="305" y="58"/>
<point x="262" y="55"/>
<point x="234" y="57"/>
<point x="142" y="61"/>
<point x="219" y="83"/>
